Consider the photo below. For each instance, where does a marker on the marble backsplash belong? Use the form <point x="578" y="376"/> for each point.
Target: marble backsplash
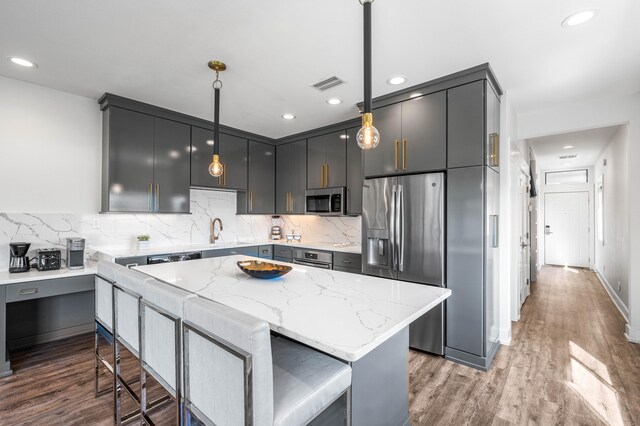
<point x="120" y="230"/>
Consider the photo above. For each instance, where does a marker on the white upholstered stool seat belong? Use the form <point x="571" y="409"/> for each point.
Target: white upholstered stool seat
<point x="305" y="382"/>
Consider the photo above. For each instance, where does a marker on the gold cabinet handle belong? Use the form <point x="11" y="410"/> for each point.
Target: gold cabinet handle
<point x="150" y="197"/>
<point x="327" y="176"/>
<point x="322" y="176"/>
<point x="292" y="201"/>
<point x="395" y="155"/>
<point x="288" y="208"/>
<point x="494" y="145"/>
<point x="250" y="201"/>
<point x="404" y="153"/>
<point x="157" y="196"/>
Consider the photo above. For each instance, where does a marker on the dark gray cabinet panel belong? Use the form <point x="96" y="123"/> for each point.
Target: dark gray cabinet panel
<point x="265" y="252"/>
<point x="465" y="243"/>
<point x="354" y="173"/>
<point x="233" y="154"/>
<point x="465" y="125"/>
<point x="424" y="133"/>
<point x="347" y="260"/>
<point x="383" y="160"/>
<point x="260" y="195"/>
<point x="171" y="166"/>
<point x="127" y="161"/>
<point x="492" y="138"/>
<point x="291" y="177"/>
<point x="132" y="261"/>
<point x="283" y="253"/>
<point x="327" y="161"/>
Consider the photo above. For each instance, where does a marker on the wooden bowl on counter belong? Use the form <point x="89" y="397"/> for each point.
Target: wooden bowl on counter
<point x="262" y="270"/>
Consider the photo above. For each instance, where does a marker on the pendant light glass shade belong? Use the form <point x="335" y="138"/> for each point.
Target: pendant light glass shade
<point x="216" y="168"/>
<point x="368" y="136"/>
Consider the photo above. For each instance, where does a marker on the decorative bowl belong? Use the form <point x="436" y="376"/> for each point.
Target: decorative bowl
<point x="262" y="270"/>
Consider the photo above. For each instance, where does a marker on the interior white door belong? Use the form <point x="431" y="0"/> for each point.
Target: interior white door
<point x="525" y="256"/>
<point x="566" y="229"/>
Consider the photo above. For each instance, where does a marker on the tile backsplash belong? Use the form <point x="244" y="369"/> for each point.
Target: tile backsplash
<point x="120" y="230"/>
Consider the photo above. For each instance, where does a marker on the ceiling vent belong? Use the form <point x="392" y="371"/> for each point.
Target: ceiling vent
<point x="568" y="157"/>
<point x="330" y="82"/>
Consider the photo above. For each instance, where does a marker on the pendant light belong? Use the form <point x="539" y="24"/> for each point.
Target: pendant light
<point x="368" y="136"/>
<point x="216" y="168"/>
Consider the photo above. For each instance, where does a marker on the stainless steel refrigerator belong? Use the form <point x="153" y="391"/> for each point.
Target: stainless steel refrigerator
<point x="403" y="232"/>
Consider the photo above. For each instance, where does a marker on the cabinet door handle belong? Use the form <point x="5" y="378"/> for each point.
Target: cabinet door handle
<point x="405" y="144"/>
<point x="395" y="156"/>
<point x="150" y="197"/>
<point x="25" y="291"/>
<point x="157" y="196"/>
<point x="347" y="261"/>
<point x="322" y="176"/>
<point x="293" y="201"/>
<point x="494" y="149"/>
<point x="327" y="176"/>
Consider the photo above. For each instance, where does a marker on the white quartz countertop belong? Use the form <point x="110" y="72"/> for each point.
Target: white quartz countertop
<point x="346" y="315"/>
<point x="34" y="275"/>
<point x="114" y="253"/>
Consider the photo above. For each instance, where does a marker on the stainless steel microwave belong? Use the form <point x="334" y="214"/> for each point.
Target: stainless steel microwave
<point x="326" y="201"/>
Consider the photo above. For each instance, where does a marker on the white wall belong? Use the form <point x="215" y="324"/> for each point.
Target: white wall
<point x="612" y="254"/>
<point x="589" y="115"/>
<point x="50" y="145"/>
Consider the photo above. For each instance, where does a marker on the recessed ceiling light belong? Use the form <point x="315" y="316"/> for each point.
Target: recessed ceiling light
<point x="343" y="136"/>
<point x="568" y="147"/>
<point x="397" y="79"/>
<point x="415" y="95"/>
<point x="566" y="164"/>
<point x="579" y="18"/>
<point x="210" y="142"/>
<point x="22" y="62"/>
<point x="288" y="116"/>
<point x="334" y="101"/>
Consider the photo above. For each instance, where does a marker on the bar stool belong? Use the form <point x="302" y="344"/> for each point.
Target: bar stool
<point x="235" y="373"/>
<point x="161" y="312"/>
<point x="104" y="280"/>
<point x="127" y="291"/>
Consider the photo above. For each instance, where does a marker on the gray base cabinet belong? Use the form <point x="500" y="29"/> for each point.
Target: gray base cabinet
<point x="233" y="155"/>
<point x="291" y="177"/>
<point x="260" y="195"/>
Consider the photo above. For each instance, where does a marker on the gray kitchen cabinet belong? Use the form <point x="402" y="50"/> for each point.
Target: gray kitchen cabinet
<point x="424" y="134"/>
<point x="260" y="195"/>
<point x="291" y="177"/>
<point x="283" y="253"/>
<point x="127" y="161"/>
<point x="233" y="155"/>
<point x="351" y="262"/>
<point x="383" y="159"/>
<point x="492" y="137"/>
<point x="145" y="166"/>
<point x="171" y="166"/>
<point x="265" y="251"/>
<point x="327" y="160"/>
<point x="131" y="261"/>
<point x="354" y="173"/>
<point x="466" y="125"/>
<point x="413" y="137"/>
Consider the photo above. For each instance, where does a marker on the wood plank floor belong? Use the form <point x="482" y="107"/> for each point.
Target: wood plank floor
<point x="568" y="364"/>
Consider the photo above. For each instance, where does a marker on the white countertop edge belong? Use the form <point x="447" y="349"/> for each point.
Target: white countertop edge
<point x="7" y="277"/>
<point x="355" y="356"/>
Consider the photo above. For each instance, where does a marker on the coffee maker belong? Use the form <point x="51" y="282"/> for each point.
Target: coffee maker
<point x="18" y="260"/>
<point x="75" y="253"/>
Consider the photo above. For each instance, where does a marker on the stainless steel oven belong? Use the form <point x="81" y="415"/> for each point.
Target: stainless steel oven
<point x="314" y="258"/>
<point x="326" y="202"/>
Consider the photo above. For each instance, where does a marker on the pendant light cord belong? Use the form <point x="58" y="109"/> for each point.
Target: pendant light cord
<point x="217" y="84"/>
<point x="367" y="56"/>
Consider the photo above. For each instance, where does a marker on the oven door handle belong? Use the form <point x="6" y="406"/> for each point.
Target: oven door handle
<point x="312" y="264"/>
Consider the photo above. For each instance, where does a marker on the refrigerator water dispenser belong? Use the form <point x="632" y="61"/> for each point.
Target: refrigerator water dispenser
<point x="378" y="247"/>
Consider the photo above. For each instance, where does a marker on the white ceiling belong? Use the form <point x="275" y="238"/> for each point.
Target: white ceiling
<point x="588" y="145"/>
<point x="156" y="51"/>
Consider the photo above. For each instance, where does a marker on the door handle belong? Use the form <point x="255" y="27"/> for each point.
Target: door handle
<point x="250" y="201"/>
<point x="547" y="230"/>
<point x="401" y="227"/>
<point x="150" y="197"/>
<point x="327" y="175"/>
<point x="157" y="196"/>
<point x="494" y="230"/>
<point x="405" y="143"/>
<point x="395" y="155"/>
<point x="494" y="153"/>
<point x="287" y="208"/>
<point x="25" y="291"/>
<point x="293" y="200"/>
<point x="392" y="229"/>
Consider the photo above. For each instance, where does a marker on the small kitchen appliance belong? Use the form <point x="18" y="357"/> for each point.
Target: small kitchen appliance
<point x="48" y="259"/>
<point x="276" y="229"/>
<point x="75" y="253"/>
<point x="18" y="260"/>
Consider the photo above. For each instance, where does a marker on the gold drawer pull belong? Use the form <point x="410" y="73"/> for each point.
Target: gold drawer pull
<point x="404" y="154"/>
<point x="25" y="291"/>
<point x="395" y="156"/>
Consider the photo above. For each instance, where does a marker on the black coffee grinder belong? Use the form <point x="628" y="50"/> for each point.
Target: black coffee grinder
<point x="18" y="260"/>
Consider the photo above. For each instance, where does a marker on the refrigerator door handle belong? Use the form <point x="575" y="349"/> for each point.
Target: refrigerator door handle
<point x="392" y="228"/>
<point x="400" y="223"/>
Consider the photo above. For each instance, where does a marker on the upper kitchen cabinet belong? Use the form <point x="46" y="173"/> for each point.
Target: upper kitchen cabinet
<point x="327" y="161"/>
<point x="233" y="155"/>
<point x="354" y="173"/>
<point x="413" y="137"/>
<point x="473" y="125"/>
<point x="259" y="196"/>
<point x="145" y="163"/>
<point x="291" y="177"/>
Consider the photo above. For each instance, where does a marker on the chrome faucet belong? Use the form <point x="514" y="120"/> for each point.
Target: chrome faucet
<point x="213" y="236"/>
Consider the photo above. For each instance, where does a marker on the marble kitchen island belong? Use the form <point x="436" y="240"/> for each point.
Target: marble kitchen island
<point x="361" y="320"/>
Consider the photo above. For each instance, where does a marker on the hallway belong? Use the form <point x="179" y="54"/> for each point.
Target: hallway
<point x="568" y="363"/>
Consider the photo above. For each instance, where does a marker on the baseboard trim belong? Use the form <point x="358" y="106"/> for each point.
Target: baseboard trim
<point x="613" y="295"/>
<point x="504" y="336"/>
<point x="632" y="335"/>
<point x="27" y="341"/>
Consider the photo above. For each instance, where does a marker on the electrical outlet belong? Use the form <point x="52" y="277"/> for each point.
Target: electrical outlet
<point x="95" y="223"/>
